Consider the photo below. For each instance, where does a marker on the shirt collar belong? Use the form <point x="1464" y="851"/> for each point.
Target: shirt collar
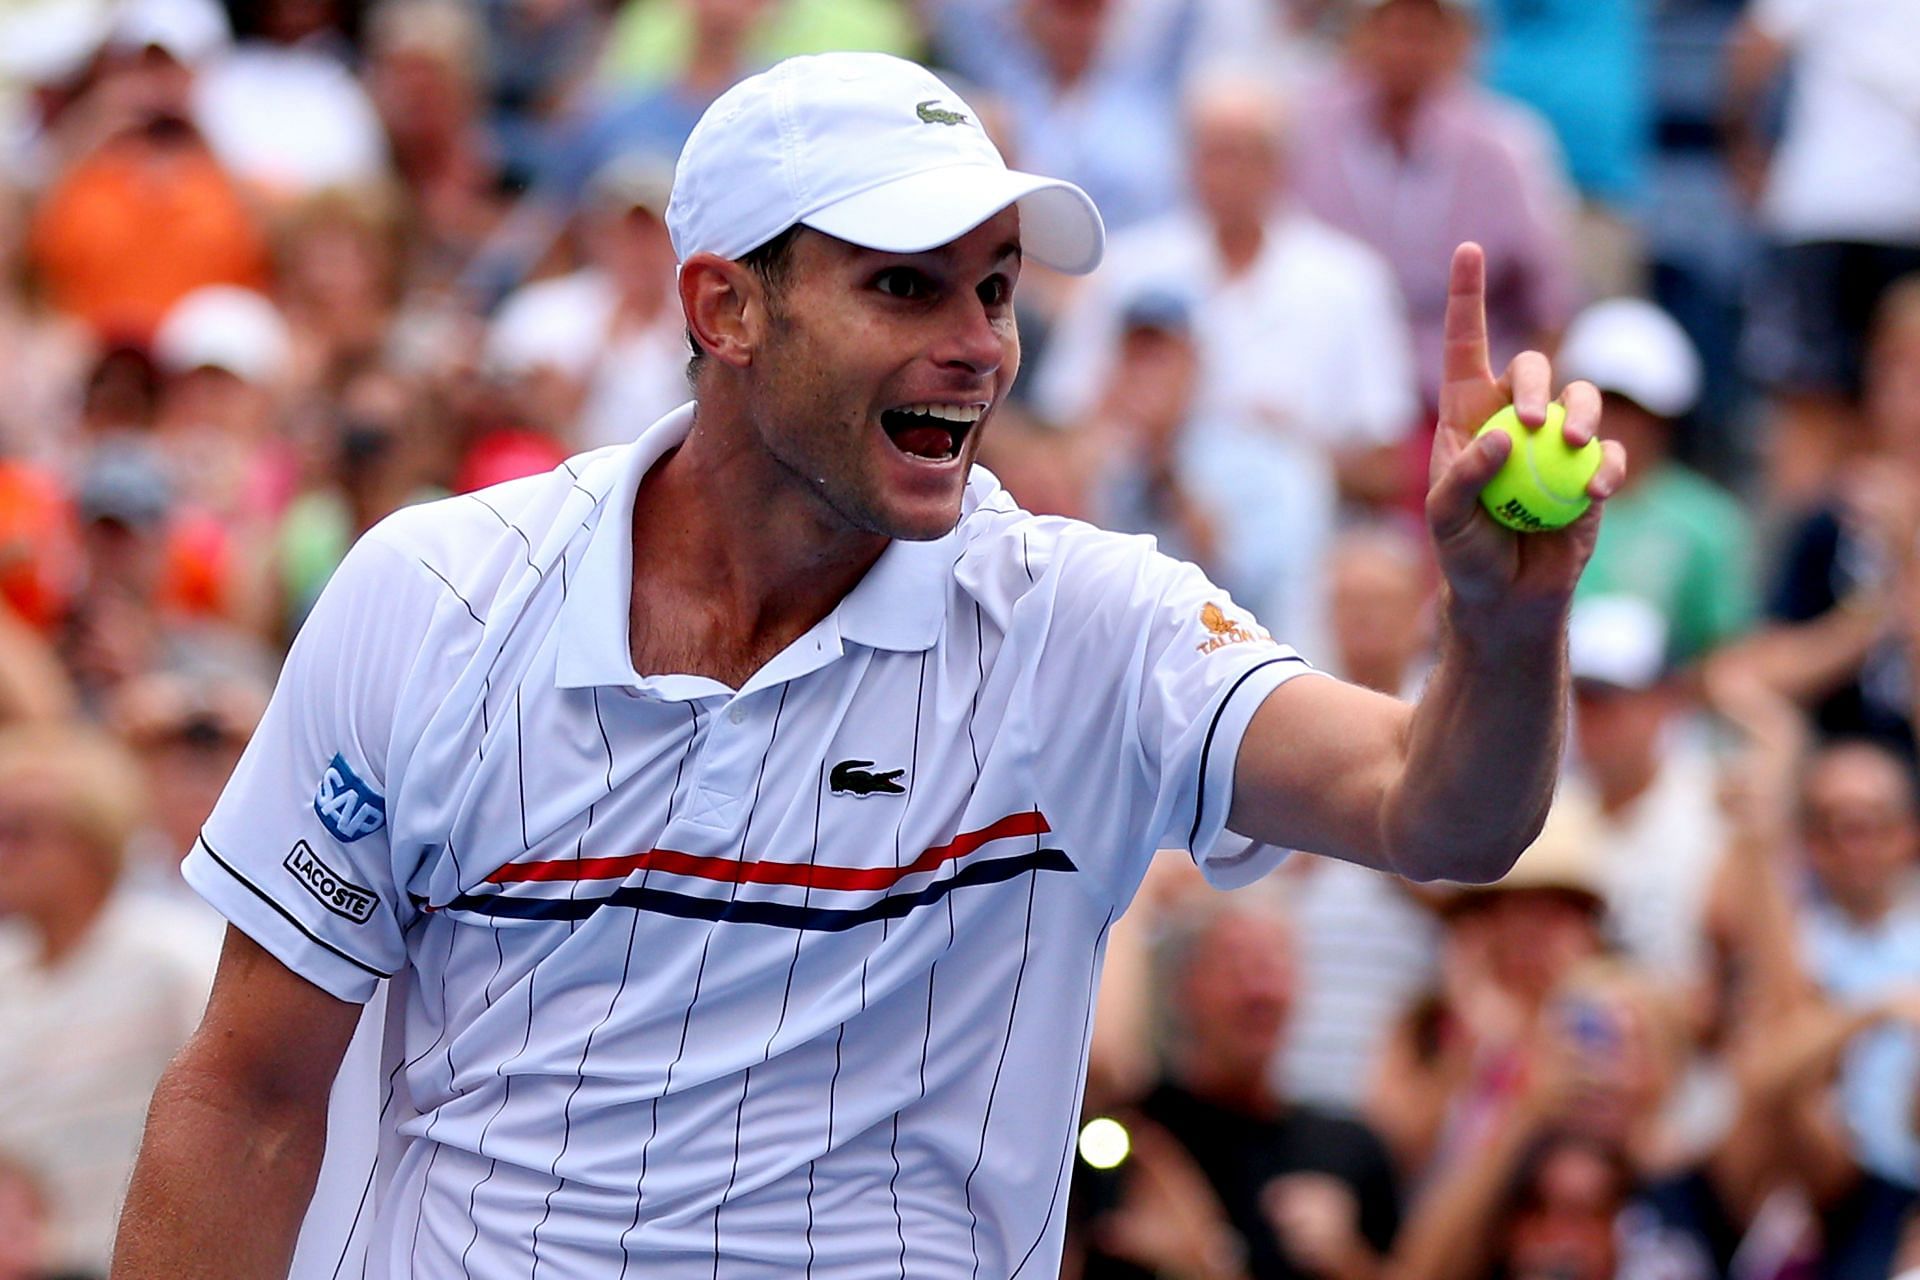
<point x="594" y="647"/>
<point x="900" y="604"/>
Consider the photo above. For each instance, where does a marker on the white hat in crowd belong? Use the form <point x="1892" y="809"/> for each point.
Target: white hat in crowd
<point x="190" y="31"/>
<point x="222" y="326"/>
<point x="1619" y="641"/>
<point x="47" y="41"/>
<point x="1633" y="348"/>
<point x="868" y="148"/>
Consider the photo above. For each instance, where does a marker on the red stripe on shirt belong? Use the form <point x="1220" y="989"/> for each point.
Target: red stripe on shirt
<point x="766" y="871"/>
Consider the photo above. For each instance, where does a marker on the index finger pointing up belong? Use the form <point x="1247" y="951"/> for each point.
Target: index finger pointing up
<point x="1466" y="358"/>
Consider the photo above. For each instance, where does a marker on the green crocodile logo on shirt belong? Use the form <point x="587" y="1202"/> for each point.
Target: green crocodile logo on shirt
<point x="933" y="113"/>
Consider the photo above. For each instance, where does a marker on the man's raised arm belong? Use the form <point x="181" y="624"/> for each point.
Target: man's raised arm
<point x="237" y="1127"/>
<point x="1455" y="787"/>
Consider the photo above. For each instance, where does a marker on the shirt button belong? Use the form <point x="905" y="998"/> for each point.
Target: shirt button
<point x="738" y="715"/>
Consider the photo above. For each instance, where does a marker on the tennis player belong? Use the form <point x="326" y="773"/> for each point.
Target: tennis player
<point x="732" y="821"/>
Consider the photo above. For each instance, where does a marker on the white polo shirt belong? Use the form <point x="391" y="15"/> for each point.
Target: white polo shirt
<point x="690" y="981"/>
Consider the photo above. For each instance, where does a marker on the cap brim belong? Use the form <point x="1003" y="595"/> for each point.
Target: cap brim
<point x="1059" y="225"/>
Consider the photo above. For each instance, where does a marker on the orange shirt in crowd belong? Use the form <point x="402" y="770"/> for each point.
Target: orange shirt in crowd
<point x="128" y="231"/>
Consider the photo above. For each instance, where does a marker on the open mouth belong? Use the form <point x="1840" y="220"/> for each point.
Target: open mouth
<point x="931" y="432"/>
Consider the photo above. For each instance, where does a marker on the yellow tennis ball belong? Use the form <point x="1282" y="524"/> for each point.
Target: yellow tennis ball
<point x="1543" y="484"/>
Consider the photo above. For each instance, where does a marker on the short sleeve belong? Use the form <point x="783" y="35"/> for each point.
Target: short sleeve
<point x="1185" y="670"/>
<point x="296" y="853"/>
<point x="1806" y="584"/>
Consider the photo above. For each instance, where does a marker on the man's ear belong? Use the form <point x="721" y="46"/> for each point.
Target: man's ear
<point x="724" y="307"/>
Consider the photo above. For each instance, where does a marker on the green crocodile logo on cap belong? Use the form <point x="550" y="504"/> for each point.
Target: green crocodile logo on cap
<point x="933" y="113"/>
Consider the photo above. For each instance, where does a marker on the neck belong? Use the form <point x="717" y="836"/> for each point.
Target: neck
<point x="763" y="580"/>
<point x="63" y="929"/>
<point x="1225" y="1084"/>
<point x="1867" y="907"/>
<point x="1396" y="115"/>
<point x="1239" y="243"/>
<point x="1621" y="786"/>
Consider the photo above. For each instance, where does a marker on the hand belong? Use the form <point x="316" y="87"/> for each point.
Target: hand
<point x="1485" y="565"/>
<point x="1316" y="1218"/>
<point x="1879" y="503"/>
<point x="1168" y="1219"/>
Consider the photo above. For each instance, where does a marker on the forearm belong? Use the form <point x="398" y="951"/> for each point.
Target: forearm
<point x="1450" y="1234"/>
<point x="221" y="1185"/>
<point x="1806" y="661"/>
<point x="1482" y="748"/>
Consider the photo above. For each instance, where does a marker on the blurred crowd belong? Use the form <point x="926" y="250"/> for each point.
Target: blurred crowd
<point x="272" y="269"/>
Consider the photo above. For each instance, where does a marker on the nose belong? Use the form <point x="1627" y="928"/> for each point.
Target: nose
<point x="974" y="338"/>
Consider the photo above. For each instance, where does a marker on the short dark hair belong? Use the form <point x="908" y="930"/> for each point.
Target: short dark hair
<point x="773" y="263"/>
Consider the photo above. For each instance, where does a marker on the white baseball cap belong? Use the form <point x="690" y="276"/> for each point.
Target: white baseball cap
<point x="1633" y="348"/>
<point x="223" y="326"/>
<point x="1617" y="640"/>
<point x="190" y="31"/>
<point x="870" y="149"/>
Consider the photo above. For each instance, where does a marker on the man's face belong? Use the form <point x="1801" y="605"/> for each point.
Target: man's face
<point x="878" y="373"/>
<point x="1377" y="601"/>
<point x="1236" y="161"/>
<point x="1859" y="825"/>
<point x="1617" y="731"/>
<point x="41" y="860"/>
<point x="1409" y="47"/>
<point x="1238" y="993"/>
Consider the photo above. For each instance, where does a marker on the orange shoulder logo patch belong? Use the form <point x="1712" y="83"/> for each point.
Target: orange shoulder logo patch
<point x="1223" y="630"/>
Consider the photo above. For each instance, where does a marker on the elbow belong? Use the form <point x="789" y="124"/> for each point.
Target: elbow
<point x="1464" y="853"/>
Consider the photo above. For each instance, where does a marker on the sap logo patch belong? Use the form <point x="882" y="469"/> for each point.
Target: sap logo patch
<point x="349" y="807"/>
<point x="335" y="892"/>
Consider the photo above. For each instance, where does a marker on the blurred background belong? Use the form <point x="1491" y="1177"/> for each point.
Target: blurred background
<point x="273" y="268"/>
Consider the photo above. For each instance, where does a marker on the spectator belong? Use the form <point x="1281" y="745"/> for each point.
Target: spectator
<point x="1082" y="104"/>
<point x="1841" y="603"/>
<point x="1861" y="933"/>
<point x="1366" y="944"/>
<point x="186" y="732"/>
<point x="44" y="355"/>
<point x="146" y="213"/>
<point x="97" y="991"/>
<point x="605" y="344"/>
<point x="540" y="58"/>
<point x="1312" y="1193"/>
<point x="381" y="452"/>
<point x="145" y="578"/>
<point x="1565" y="1186"/>
<point x="226" y="354"/>
<point x="423" y="72"/>
<point x="1839" y="200"/>
<point x="1584" y="66"/>
<point x="338" y="258"/>
<point x="1284" y="296"/>
<point x="655" y="115"/>
<point x="284" y="112"/>
<point x="33" y="686"/>
<point x="1457" y="1063"/>
<point x="1401" y="150"/>
<point x="1675" y="539"/>
<point x="1659" y="835"/>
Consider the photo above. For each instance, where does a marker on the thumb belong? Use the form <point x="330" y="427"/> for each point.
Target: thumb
<point x="1455" y="495"/>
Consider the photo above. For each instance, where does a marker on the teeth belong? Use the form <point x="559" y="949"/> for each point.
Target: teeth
<point x="946" y="412"/>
